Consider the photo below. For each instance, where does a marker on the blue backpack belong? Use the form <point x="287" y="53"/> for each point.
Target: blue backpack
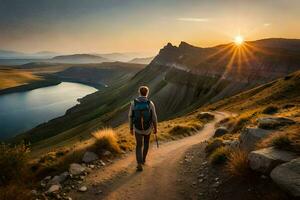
<point x="142" y="115"/>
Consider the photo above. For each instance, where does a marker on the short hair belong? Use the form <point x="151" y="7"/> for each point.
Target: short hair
<point x="143" y="90"/>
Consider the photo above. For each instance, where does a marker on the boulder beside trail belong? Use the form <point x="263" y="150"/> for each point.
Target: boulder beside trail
<point x="287" y="176"/>
<point x="250" y="136"/>
<point x="273" y="122"/>
<point x="89" y="157"/>
<point x="220" y="131"/>
<point x="76" y="169"/>
<point x="59" y="179"/>
<point x="264" y="160"/>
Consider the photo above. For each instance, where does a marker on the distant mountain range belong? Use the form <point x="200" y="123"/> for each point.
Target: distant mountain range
<point x="79" y="58"/>
<point x="19" y="58"/>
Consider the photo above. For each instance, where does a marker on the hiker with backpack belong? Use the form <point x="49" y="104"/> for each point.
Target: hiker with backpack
<point x="142" y="120"/>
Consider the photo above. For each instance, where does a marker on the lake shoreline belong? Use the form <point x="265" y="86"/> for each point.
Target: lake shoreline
<point x="30" y="86"/>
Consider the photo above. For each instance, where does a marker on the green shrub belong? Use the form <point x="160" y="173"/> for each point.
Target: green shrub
<point x="270" y="110"/>
<point x="13" y="162"/>
<point x="219" y="156"/>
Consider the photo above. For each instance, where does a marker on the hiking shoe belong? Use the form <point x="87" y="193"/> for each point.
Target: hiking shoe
<point x="139" y="168"/>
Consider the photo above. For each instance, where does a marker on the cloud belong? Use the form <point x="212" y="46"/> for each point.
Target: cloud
<point x="267" y="24"/>
<point x="192" y="19"/>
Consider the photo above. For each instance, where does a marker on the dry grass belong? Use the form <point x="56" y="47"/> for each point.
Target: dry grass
<point x="213" y="144"/>
<point x="14" y="191"/>
<point x="106" y="139"/>
<point x="219" y="155"/>
<point x="237" y="164"/>
<point x="12" y="78"/>
<point x="13" y="163"/>
<point x="287" y="140"/>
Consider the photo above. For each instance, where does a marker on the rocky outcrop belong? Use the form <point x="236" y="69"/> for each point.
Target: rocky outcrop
<point x="287" y="176"/>
<point x="264" y="160"/>
<point x="76" y="169"/>
<point x="274" y="122"/>
<point x="89" y="157"/>
<point x="220" y="131"/>
<point x="250" y="136"/>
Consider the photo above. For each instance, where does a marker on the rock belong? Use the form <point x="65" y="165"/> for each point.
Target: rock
<point x="102" y="163"/>
<point x="47" y="178"/>
<point x="82" y="189"/>
<point x="250" y="136"/>
<point x="264" y="160"/>
<point x="273" y="122"/>
<point x="107" y="153"/>
<point x="287" y="176"/>
<point x="34" y="192"/>
<point x="221" y="131"/>
<point x="76" y="169"/>
<point x="54" y="188"/>
<point x="59" y="179"/>
<point x="231" y="143"/>
<point x="68" y="198"/>
<point x="89" y="157"/>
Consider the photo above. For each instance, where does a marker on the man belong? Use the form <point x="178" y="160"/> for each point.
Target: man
<point x="142" y="120"/>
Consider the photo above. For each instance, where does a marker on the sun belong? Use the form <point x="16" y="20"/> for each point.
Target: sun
<point x="238" y="40"/>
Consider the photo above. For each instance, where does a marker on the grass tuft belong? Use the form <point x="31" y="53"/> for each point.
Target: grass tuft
<point x="13" y="162"/>
<point x="238" y="164"/>
<point x="106" y="140"/>
<point x="219" y="156"/>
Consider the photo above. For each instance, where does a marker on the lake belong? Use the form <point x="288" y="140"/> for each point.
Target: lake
<point x="22" y="111"/>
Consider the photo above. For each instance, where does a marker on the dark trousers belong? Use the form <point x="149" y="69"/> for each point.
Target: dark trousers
<point x="141" y="152"/>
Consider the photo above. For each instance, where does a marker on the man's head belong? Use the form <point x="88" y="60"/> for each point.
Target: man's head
<point x="144" y="91"/>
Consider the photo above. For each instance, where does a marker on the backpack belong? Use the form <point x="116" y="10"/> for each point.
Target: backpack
<point x="142" y="115"/>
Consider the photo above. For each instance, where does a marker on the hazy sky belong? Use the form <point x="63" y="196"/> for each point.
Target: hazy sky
<point x="140" y="25"/>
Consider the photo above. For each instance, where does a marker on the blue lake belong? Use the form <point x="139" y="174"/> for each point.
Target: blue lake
<point x="24" y="110"/>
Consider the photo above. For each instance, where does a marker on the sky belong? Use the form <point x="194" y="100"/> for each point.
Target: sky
<point x="103" y="26"/>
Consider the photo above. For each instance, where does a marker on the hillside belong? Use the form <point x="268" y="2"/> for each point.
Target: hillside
<point x="12" y="78"/>
<point x="79" y="58"/>
<point x="142" y="60"/>
<point x="181" y="79"/>
<point x="104" y="74"/>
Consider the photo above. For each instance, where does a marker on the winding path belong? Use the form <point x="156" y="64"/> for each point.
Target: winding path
<point x="158" y="180"/>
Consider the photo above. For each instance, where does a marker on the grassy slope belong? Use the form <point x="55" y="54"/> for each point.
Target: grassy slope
<point x="279" y="92"/>
<point x="13" y="77"/>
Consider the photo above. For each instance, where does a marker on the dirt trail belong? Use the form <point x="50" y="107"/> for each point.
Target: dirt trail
<point x="158" y="180"/>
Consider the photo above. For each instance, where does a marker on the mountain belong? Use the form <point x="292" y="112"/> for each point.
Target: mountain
<point x="181" y="79"/>
<point x="103" y="74"/>
<point x="122" y="57"/>
<point x="4" y="54"/>
<point x="79" y="58"/>
<point x="141" y="60"/>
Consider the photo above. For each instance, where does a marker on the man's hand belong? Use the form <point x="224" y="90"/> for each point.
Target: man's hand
<point x="131" y="131"/>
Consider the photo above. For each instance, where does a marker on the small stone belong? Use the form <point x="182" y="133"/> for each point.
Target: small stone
<point x="82" y="189"/>
<point x="34" y="192"/>
<point x="102" y="163"/>
<point x="194" y="183"/>
<point x="107" y="153"/>
<point x="200" y="180"/>
<point x="47" y="178"/>
<point x="54" y="188"/>
<point x="76" y="169"/>
<point x="99" y="192"/>
<point x="68" y="198"/>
